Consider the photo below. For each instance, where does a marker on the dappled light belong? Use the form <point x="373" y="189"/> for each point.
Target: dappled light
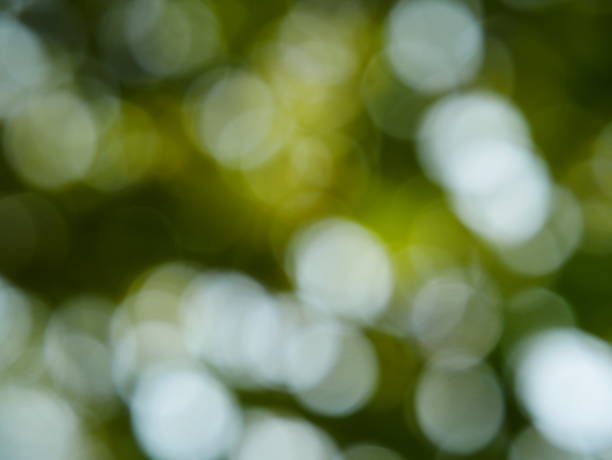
<point x="305" y="230"/>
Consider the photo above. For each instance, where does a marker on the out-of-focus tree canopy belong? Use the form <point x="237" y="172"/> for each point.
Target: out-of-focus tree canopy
<point x="305" y="230"/>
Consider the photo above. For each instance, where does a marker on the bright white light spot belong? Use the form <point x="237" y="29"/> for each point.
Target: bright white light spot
<point x="342" y="268"/>
<point x="530" y="445"/>
<point x="513" y="210"/>
<point x="460" y="120"/>
<point x="434" y="45"/>
<point x="239" y="121"/>
<point x="262" y="341"/>
<point x="564" y="377"/>
<point x="278" y="438"/>
<point x="229" y="320"/>
<point x="459" y="410"/>
<point x="438" y="308"/>
<point x="23" y="65"/>
<point x="51" y="141"/>
<point x="332" y="369"/>
<point x="184" y="414"/>
<point x="477" y="146"/>
<point x="36" y="425"/>
<point x="486" y="165"/>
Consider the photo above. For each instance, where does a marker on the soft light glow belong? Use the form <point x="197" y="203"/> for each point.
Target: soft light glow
<point x="141" y="347"/>
<point x="51" y="141"/>
<point x="477" y="146"/>
<point x="76" y="353"/>
<point x="230" y="321"/>
<point x="239" y="122"/>
<point x="15" y="323"/>
<point x="212" y="314"/>
<point x="296" y="179"/>
<point x="24" y="67"/>
<point x="263" y="338"/>
<point x="342" y="268"/>
<point x="438" y="308"/>
<point x="459" y="120"/>
<point x="332" y="369"/>
<point x="450" y="315"/>
<point x="513" y="210"/>
<point x="459" y="410"/>
<point x="182" y="413"/>
<point x="434" y="45"/>
<point x="283" y="438"/>
<point x="36" y="424"/>
<point x="553" y="244"/>
<point x="171" y="37"/>
<point x="314" y="48"/>
<point x="312" y="62"/>
<point x="563" y="377"/>
<point x="158" y="296"/>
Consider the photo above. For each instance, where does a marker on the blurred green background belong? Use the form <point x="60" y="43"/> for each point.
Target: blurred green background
<point x="305" y="229"/>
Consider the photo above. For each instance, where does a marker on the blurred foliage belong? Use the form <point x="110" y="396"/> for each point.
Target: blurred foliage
<point x="155" y="193"/>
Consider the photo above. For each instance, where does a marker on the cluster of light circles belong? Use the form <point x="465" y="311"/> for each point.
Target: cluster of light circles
<point x="456" y="320"/>
<point x="279" y="121"/>
<point x="63" y="128"/>
<point x="212" y="331"/>
<point x="50" y="384"/>
<point x="477" y="146"/>
<point x="52" y="140"/>
<point x="35" y="423"/>
<point x="257" y="340"/>
<point x="184" y="341"/>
